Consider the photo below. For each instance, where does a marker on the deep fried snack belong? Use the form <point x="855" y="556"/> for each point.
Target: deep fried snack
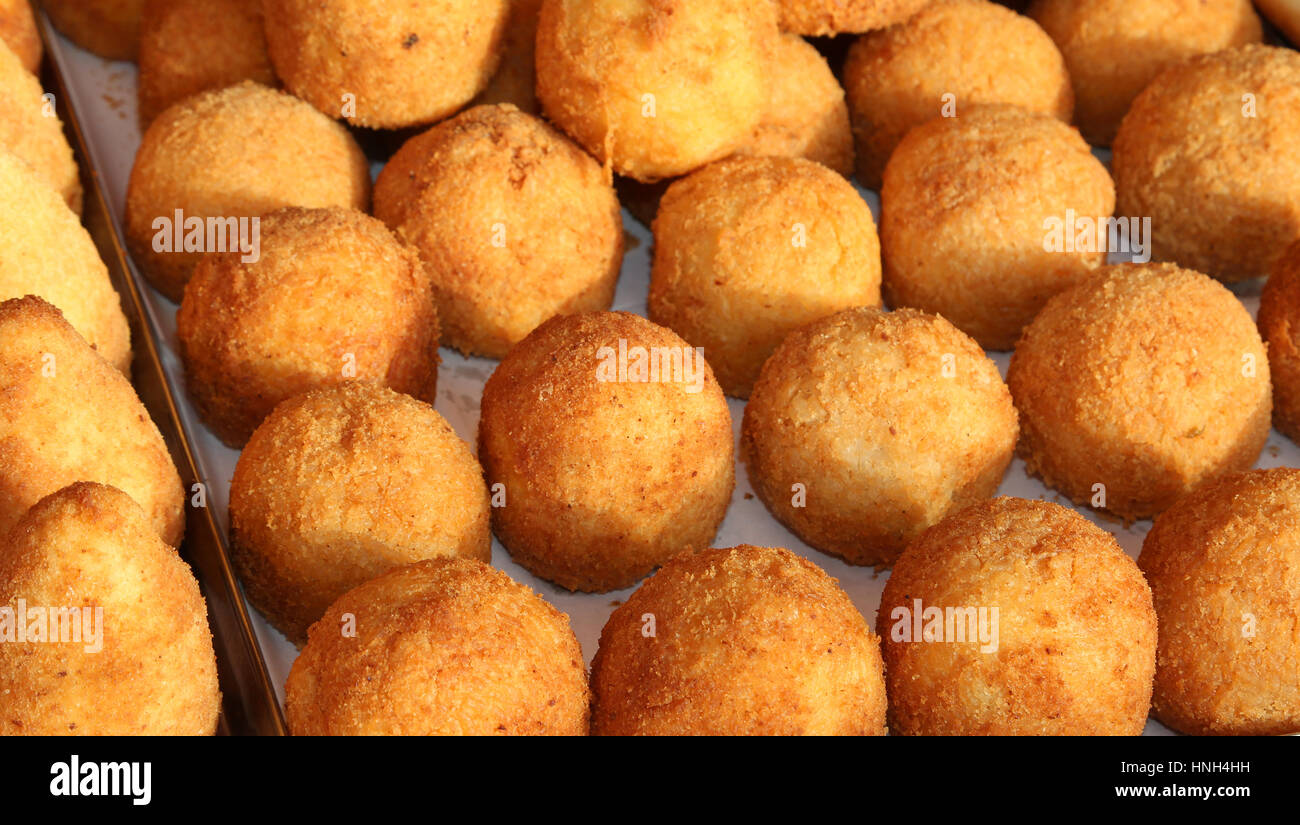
<point x="109" y="28"/>
<point x="48" y="253"/>
<point x="192" y="46"/>
<point x="125" y="648"/>
<point x="1114" y="48"/>
<point x="866" y="427"/>
<point x="333" y="296"/>
<point x="515" y="80"/>
<point x="18" y="32"/>
<point x="827" y="17"/>
<point x="1139" y="385"/>
<point x="1224" y="565"/>
<point x="611" y="442"/>
<point x="515" y="224"/>
<point x="748" y="249"/>
<point x="1210" y="151"/>
<point x="1279" y="324"/>
<point x="967" y="212"/>
<point x="806" y="116"/>
<point x="736" y="642"/>
<point x="231" y="154"/>
<point x="952" y="55"/>
<point x="66" y="415"/>
<point x="655" y="88"/>
<point x="31" y="130"/>
<point x="449" y="646"/>
<point x="1014" y="617"/>
<point x="388" y="65"/>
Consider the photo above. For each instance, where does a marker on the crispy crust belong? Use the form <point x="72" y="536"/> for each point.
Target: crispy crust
<point x="747" y="640"/>
<point x="18" y="32"/>
<point x="27" y="132"/>
<point x="828" y="17"/>
<point x="1279" y="324"/>
<point x="516" y="79"/>
<point x="109" y="28"/>
<point x="449" y="646"/>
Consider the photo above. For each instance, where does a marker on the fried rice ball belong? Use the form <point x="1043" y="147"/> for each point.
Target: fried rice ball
<point x="226" y="154"/>
<point x="827" y="17"/>
<point x="655" y="88"/>
<point x="950" y="56"/>
<point x="109" y="28"/>
<point x="806" y="116"/>
<point x="516" y="77"/>
<point x="48" y="253"/>
<point x="440" y="647"/>
<point x="514" y="222"/>
<point x="1210" y="151"/>
<point x="333" y="296"/>
<point x="1014" y="617"/>
<point x="1114" y="48"/>
<point x="748" y="249"/>
<point x="18" y="32"/>
<point x="965" y="210"/>
<point x="737" y="642"/>
<point x="135" y="655"/>
<point x="612" y="443"/>
<point x="1224" y="566"/>
<point x="1279" y="325"/>
<point x="1139" y="385"/>
<point x="342" y="484"/>
<point x="27" y="132"/>
<point x="191" y="46"/>
<point x="67" y="415"/>
<point x="385" y="65"/>
<point x="866" y="427"/>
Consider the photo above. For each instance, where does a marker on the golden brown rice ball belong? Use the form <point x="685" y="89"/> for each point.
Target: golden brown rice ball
<point x="333" y="296"/>
<point x="48" y="253"/>
<point x="952" y="55"/>
<point x="748" y="249"/>
<point x="1279" y="324"/>
<point x="66" y="415"/>
<point x="228" y="154"/>
<point x="342" y="484"/>
<point x="192" y="46"/>
<point x="806" y="116"/>
<point x="826" y="17"/>
<point x="385" y="65"/>
<point x="966" y="212"/>
<point x="27" y="131"/>
<point x="109" y="28"/>
<point x="1224" y="565"/>
<point x="1114" y="48"/>
<point x="1012" y="618"/>
<point x="867" y="427"/>
<point x="450" y="646"/>
<point x="516" y="78"/>
<point x="18" y="32"/>
<point x="514" y="222"/>
<point x="655" y="88"/>
<point x="738" y="642"/>
<point x="1139" y="385"/>
<point x="1210" y="151"/>
<point x="134" y="653"/>
<point x="612" y="445"/>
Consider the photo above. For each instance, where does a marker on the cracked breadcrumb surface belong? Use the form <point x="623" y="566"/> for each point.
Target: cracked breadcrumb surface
<point x="1279" y="324"/>
<point x="32" y="131"/>
<point x="829" y="17"/>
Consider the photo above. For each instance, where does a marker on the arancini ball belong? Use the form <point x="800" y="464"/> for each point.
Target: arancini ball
<point x="442" y="647"/>
<point x="1210" y="151"/>
<point x="1114" y="48"/>
<point x="655" y="88"/>
<point x="748" y="249"/>
<point x="514" y="222"/>
<point x="1279" y="324"/>
<point x="387" y="64"/>
<point x="1139" y="385"/>
<point x="515" y="80"/>
<point x="108" y="28"/>
<point x="47" y="252"/>
<point x="827" y="17"/>
<point x="610" y="443"/>
<point x="192" y="46"/>
<point x="952" y="55"/>
<point x="1014" y="617"/>
<point x="31" y="130"/>
<point x="131" y="654"/>
<point x="332" y="296"/>
<point x="738" y="642"/>
<point x="966" y="212"/>
<point x="1224" y="566"/>
<point x="18" y="32"/>
<point x="67" y="415"/>
<point x="866" y="427"/>
<point x="223" y="157"/>
<point x="342" y="484"/>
